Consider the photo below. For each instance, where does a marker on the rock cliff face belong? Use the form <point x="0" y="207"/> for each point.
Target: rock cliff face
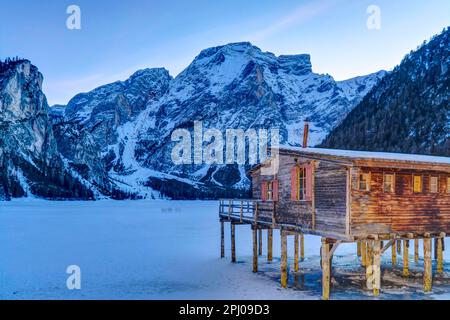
<point x="30" y="164"/>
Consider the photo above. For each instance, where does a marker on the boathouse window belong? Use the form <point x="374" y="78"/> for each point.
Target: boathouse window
<point x="388" y="184"/>
<point x="448" y="185"/>
<point x="434" y="184"/>
<point x="269" y="190"/>
<point x="301" y="183"/>
<point x="301" y="177"/>
<point x="364" y="182"/>
<point x="417" y="184"/>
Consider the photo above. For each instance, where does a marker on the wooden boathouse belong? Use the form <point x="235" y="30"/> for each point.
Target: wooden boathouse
<point x="376" y="200"/>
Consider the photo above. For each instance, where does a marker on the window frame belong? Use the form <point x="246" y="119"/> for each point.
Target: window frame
<point x="269" y="190"/>
<point x="437" y="184"/>
<point x="392" y="188"/>
<point x="301" y="188"/>
<point x="448" y="185"/>
<point x="368" y="180"/>
<point x="414" y="176"/>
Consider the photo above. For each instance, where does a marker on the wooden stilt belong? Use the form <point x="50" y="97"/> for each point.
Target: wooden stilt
<point x="399" y="246"/>
<point x="428" y="272"/>
<point x="358" y="248"/>
<point x="326" y="272"/>
<point x="435" y="248"/>
<point x="222" y="240"/>
<point x="233" y="243"/>
<point x="296" y="253"/>
<point x="405" y="258"/>
<point x="369" y="259"/>
<point x="260" y="250"/>
<point x="284" y="275"/>
<point x="255" y="249"/>
<point x="394" y="253"/>
<point x="302" y="247"/>
<point x="376" y="268"/>
<point x="269" y="245"/>
<point x="416" y="251"/>
<point x="440" y="263"/>
<point x="363" y="253"/>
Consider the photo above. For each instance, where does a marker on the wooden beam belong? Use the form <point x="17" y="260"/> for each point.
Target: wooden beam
<point x="222" y="240"/>
<point x="269" y="244"/>
<point x="302" y="247"/>
<point x="255" y="249"/>
<point x="416" y="250"/>
<point x="376" y="268"/>
<point x="296" y="253"/>
<point x="369" y="259"/>
<point x="233" y="243"/>
<point x="284" y="275"/>
<point x="387" y="246"/>
<point x="406" y="258"/>
<point x="363" y="253"/>
<point x="399" y="246"/>
<point x="326" y="272"/>
<point x="335" y="246"/>
<point x="394" y="252"/>
<point x="440" y="262"/>
<point x="358" y="248"/>
<point x="428" y="272"/>
<point x="260" y="248"/>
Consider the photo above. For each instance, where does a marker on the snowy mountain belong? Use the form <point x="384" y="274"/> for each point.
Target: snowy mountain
<point x="29" y="160"/>
<point x="408" y="111"/>
<point x="236" y="86"/>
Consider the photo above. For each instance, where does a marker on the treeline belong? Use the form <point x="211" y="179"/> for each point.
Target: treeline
<point x="178" y="190"/>
<point x="10" y="62"/>
<point x="45" y="181"/>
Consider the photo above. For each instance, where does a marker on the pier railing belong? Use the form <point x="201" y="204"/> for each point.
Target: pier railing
<point x="247" y="210"/>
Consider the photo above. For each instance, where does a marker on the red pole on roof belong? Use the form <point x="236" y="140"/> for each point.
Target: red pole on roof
<point x="305" y="135"/>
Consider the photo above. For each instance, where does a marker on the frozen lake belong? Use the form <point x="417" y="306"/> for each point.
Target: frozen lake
<point x="166" y="250"/>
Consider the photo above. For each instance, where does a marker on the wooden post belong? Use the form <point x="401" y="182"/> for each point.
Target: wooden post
<point x="416" y="251"/>
<point x="440" y="263"/>
<point x="255" y="249"/>
<point x="428" y="272"/>
<point x="260" y="243"/>
<point x="296" y="253"/>
<point x="376" y="268"/>
<point x="222" y="240"/>
<point x="284" y="275"/>
<point x="269" y="244"/>
<point x="369" y="259"/>
<point x="405" y="258"/>
<point x="394" y="253"/>
<point x="358" y="248"/>
<point x="326" y="272"/>
<point x="363" y="253"/>
<point x="302" y="247"/>
<point x="435" y="248"/>
<point x="399" y="246"/>
<point x="233" y="243"/>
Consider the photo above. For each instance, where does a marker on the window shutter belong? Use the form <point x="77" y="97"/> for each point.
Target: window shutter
<point x="294" y="183"/>
<point x="275" y="190"/>
<point x="264" y="191"/>
<point x="309" y="177"/>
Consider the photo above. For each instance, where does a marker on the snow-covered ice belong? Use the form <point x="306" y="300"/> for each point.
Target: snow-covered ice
<point x="164" y="250"/>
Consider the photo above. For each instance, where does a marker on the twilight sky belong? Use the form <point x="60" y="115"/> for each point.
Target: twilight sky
<point x="119" y="37"/>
